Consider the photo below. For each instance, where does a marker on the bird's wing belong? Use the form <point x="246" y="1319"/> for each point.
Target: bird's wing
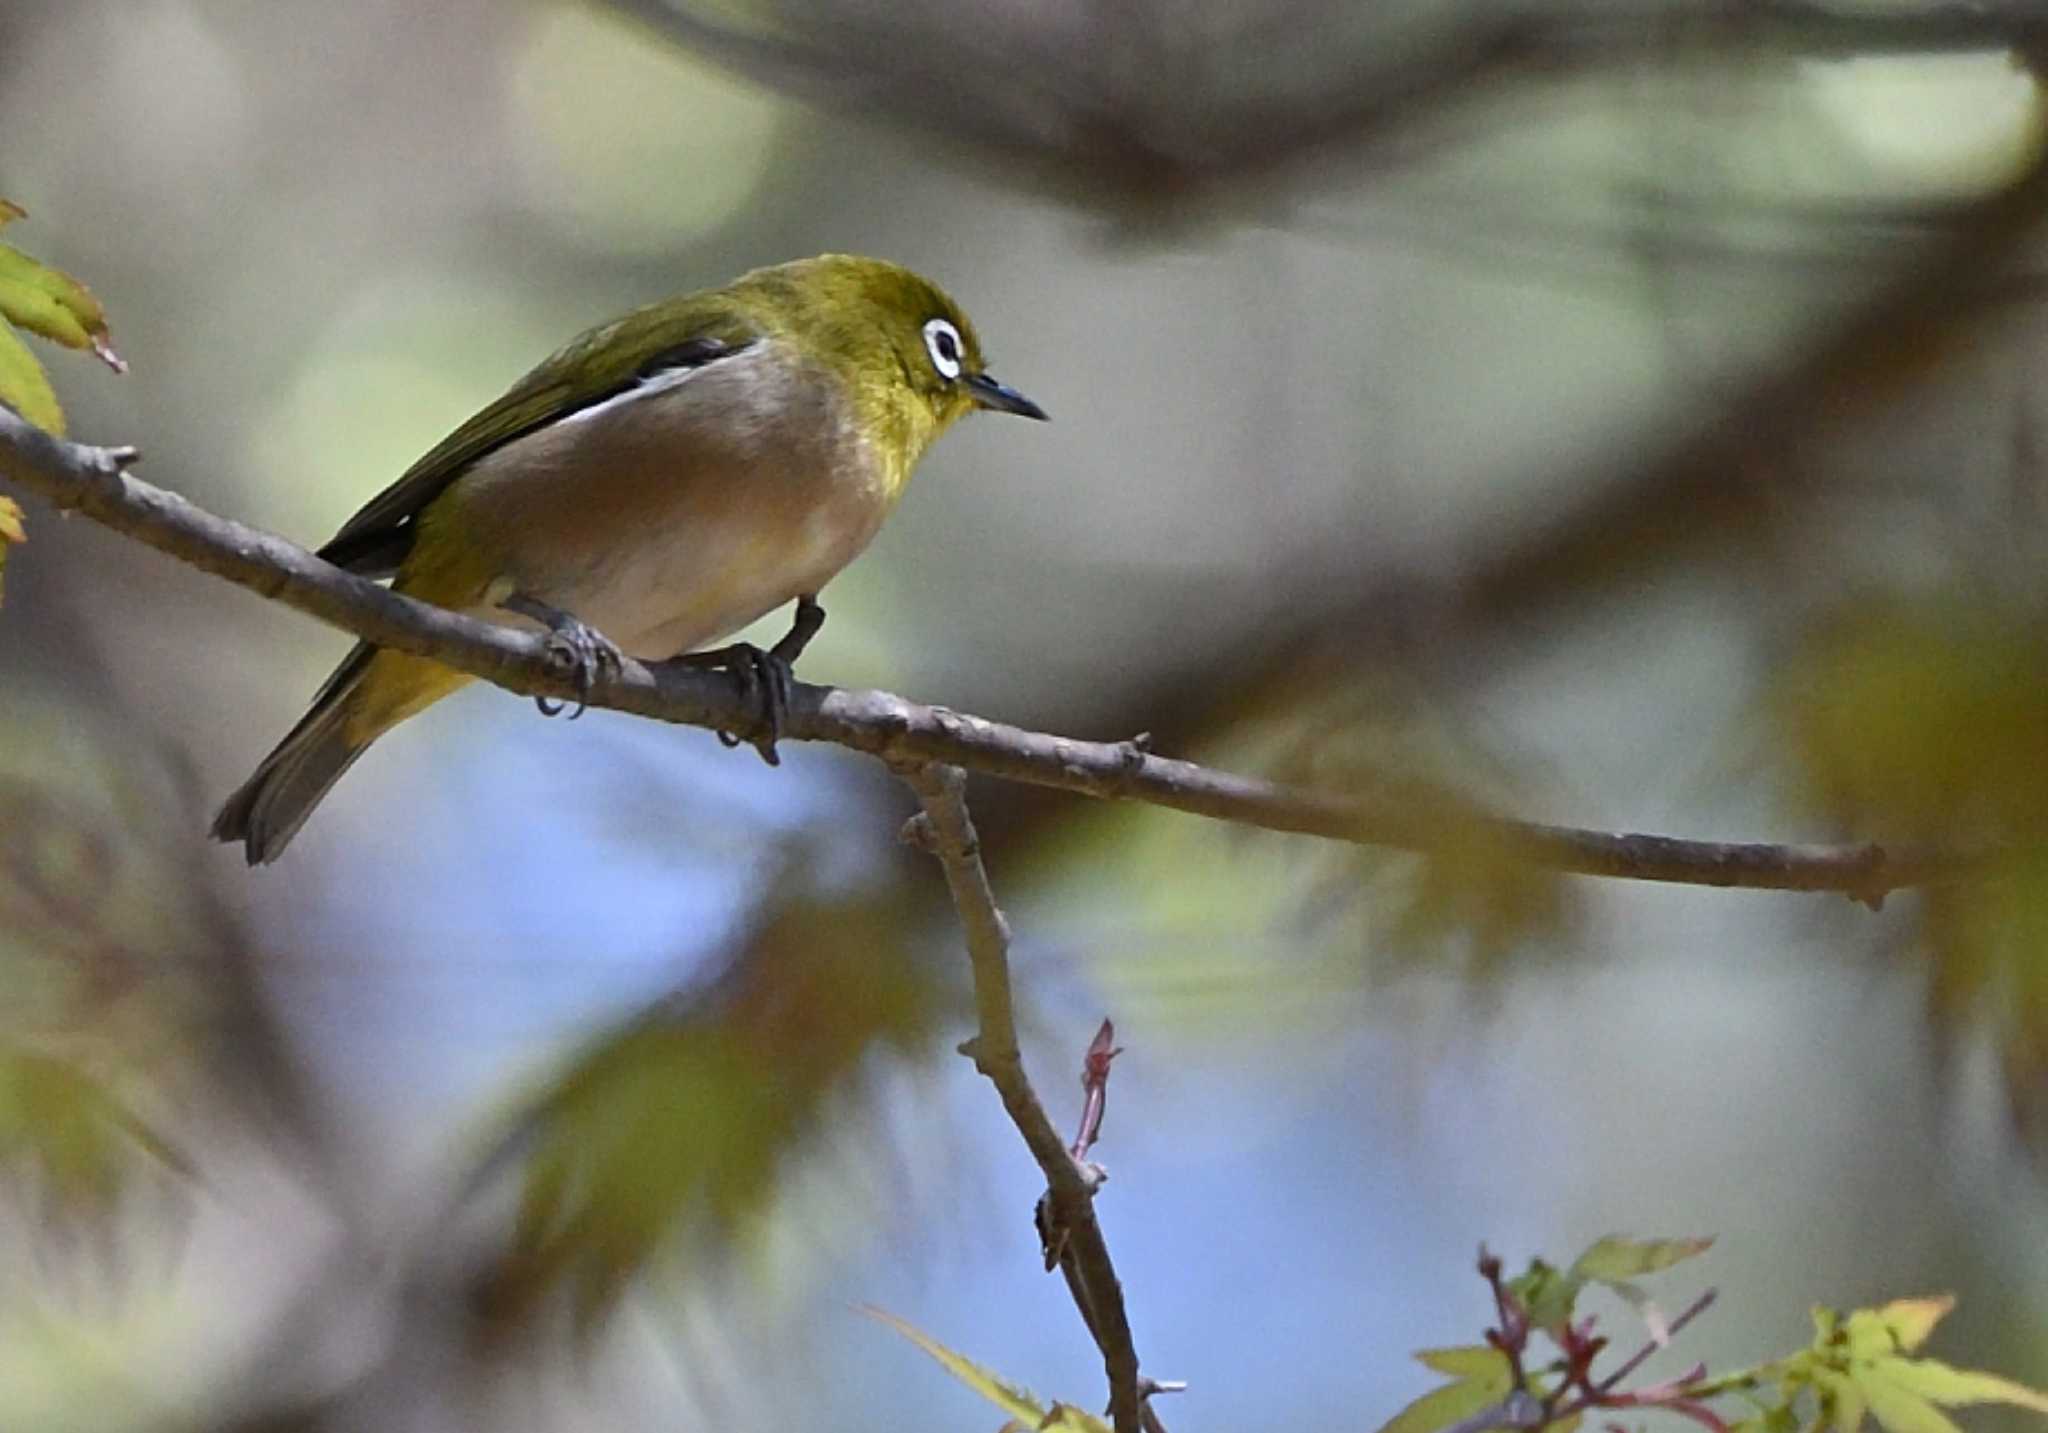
<point x="632" y="349"/>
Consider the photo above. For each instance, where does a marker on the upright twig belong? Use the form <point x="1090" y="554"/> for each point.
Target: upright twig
<point x="945" y="829"/>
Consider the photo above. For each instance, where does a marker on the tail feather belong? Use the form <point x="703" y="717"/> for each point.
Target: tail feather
<point x="272" y="804"/>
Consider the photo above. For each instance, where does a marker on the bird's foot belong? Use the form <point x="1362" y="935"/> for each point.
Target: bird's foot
<point x="573" y="645"/>
<point x="588" y="653"/>
<point x="765" y="680"/>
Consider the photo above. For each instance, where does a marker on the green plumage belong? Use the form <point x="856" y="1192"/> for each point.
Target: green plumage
<point x="655" y="484"/>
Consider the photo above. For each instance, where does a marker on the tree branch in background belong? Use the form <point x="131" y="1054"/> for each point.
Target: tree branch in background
<point x="946" y="830"/>
<point x="96" y="482"/>
<point x="1722" y="480"/>
<point x="1102" y="92"/>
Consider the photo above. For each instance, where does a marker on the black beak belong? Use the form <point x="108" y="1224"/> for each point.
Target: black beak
<point x="1001" y="397"/>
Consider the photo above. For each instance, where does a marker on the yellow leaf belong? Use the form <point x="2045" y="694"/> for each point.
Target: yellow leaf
<point x="24" y="386"/>
<point x="11" y="529"/>
<point x="1956" y="1387"/>
<point x="1910" y="1321"/>
<point x="1014" y="1401"/>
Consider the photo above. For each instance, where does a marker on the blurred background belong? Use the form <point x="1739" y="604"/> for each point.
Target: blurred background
<point x="1624" y="417"/>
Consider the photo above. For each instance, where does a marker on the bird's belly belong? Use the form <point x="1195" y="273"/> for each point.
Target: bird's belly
<point x="685" y="581"/>
<point x="672" y="521"/>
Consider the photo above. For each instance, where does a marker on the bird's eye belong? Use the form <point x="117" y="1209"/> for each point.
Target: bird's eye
<point x="942" y="342"/>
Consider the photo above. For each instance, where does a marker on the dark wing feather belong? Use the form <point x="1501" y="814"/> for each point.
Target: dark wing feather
<point x="652" y="340"/>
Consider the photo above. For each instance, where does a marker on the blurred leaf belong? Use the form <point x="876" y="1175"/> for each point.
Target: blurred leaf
<point x="1925" y="723"/>
<point x="1927" y="726"/>
<point x="62" y="1130"/>
<point x="676" y="1127"/>
<point x="1617" y="1257"/>
<point x="1015" y="1401"/>
<point x="11" y="532"/>
<point x="1482" y="1377"/>
<point x="1474" y="887"/>
<point x="1986" y="943"/>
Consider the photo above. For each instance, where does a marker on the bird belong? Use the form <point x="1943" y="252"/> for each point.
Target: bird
<point x="653" y="486"/>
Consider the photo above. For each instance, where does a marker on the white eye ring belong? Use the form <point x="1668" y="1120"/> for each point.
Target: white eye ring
<point x="942" y="342"/>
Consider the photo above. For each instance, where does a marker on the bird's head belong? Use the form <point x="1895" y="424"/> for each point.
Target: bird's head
<point x="903" y="351"/>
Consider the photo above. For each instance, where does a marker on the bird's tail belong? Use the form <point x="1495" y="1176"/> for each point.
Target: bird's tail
<point x="368" y="694"/>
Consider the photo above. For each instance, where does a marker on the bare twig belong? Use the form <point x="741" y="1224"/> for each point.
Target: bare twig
<point x="947" y="830"/>
<point x="1636" y="1360"/>
<point x="96" y="482"/>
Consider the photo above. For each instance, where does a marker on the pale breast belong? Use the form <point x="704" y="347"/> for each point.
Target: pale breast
<point x="673" y="515"/>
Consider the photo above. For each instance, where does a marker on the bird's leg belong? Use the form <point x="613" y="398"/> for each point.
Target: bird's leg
<point x="578" y="646"/>
<point x="766" y="679"/>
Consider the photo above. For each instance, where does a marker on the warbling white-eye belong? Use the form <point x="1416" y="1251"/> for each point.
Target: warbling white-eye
<point x="655" y="485"/>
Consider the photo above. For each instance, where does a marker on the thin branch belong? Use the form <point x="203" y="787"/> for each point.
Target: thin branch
<point x="1691" y="1311"/>
<point x="947" y="831"/>
<point x="96" y="482"/>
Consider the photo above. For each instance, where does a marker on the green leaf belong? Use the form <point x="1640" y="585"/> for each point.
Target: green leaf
<point x="1474" y="1360"/>
<point x="1866" y="1335"/>
<point x="51" y="303"/>
<point x="24" y="386"/>
<point x="1898" y="1408"/>
<point x="1547" y="1294"/>
<point x="1953" y="1387"/>
<point x="1842" y="1403"/>
<point x="1482" y="1377"/>
<point x="1016" y="1402"/>
<point x="1442" y="1407"/>
<point x="1617" y="1257"/>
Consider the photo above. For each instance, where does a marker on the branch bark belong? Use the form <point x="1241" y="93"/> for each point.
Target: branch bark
<point x="947" y="830"/>
<point x="97" y="482"/>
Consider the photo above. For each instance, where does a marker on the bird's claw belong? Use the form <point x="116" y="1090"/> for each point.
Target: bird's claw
<point x="584" y="651"/>
<point x="766" y="682"/>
